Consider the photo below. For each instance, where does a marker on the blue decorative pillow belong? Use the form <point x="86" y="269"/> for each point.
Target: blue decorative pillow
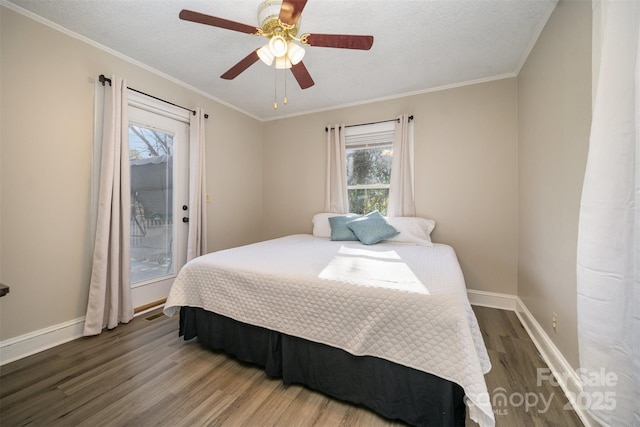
<point x="372" y="228"/>
<point x="339" y="229"/>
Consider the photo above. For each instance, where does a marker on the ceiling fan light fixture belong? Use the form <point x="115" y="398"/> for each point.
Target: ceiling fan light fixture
<point x="265" y="55"/>
<point x="278" y="46"/>
<point x="295" y="53"/>
<point x="279" y="22"/>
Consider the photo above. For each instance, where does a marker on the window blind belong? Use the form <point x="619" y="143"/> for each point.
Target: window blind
<point x="369" y="136"/>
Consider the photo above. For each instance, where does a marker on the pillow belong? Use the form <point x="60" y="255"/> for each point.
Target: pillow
<point x="371" y="228"/>
<point x="339" y="229"/>
<point x="412" y="229"/>
<point x="321" y="227"/>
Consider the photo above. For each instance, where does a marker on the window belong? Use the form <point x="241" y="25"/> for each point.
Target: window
<point x="369" y="152"/>
<point x="151" y="166"/>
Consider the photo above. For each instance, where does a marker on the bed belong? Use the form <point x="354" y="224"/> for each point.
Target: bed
<point x="385" y="325"/>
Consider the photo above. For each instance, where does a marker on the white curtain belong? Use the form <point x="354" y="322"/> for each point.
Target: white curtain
<point x="608" y="242"/>
<point x="336" y="199"/>
<point x="401" y="194"/>
<point x="197" y="239"/>
<point x="110" y="292"/>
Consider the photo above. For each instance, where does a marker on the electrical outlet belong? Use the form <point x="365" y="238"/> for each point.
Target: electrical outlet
<point x="554" y="322"/>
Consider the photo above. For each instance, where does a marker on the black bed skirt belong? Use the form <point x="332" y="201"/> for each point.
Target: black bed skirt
<point x="394" y="391"/>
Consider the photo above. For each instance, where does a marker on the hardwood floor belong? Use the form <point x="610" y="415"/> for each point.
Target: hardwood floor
<point x="142" y="374"/>
<point x="514" y="374"/>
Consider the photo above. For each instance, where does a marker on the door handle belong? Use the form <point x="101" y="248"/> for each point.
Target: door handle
<point x="185" y="219"/>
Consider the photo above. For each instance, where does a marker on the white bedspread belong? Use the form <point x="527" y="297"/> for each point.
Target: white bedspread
<point x="400" y="302"/>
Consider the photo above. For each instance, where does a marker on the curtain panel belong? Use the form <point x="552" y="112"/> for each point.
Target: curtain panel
<point x="197" y="238"/>
<point x="109" y="290"/>
<point x="401" y="193"/>
<point x="608" y="262"/>
<point x="336" y="198"/>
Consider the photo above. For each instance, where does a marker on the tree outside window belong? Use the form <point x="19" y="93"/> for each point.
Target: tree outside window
<point x="368" y="177"/>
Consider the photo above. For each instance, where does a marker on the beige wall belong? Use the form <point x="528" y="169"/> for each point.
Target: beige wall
<point x="46" y="168"/>
<point x="465" y="171"/>
<point x="554" y="104"/>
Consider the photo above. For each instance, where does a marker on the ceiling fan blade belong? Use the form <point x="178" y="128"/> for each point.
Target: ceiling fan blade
<point x="244" y="63"/>
<point x="290" y="11"/>
<point x="302" y="75"/>
<point x="201" y="18"/>
<point x="341" y="41"/>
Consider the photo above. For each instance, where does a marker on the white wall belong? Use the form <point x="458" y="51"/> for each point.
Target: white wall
<point x="554" y="119"/>
<point x="47" y="88"/>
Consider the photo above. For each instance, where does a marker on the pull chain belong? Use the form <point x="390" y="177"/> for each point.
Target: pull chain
<point x="285" y="86"/>
<point x="275" y="88"/>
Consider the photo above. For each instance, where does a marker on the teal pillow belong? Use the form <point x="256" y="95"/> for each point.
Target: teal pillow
<point x="339" y="229"/>
<point x="372" y="228"/>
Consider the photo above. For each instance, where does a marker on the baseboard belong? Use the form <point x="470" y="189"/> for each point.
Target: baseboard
<point x="492" y="299"/>
<point x="564" y="373"/>
<point x="34" y="342"/>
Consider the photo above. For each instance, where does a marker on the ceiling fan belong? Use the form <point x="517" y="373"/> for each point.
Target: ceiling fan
<point x="279" y="23"/>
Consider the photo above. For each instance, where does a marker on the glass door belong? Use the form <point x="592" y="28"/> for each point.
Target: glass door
<point x="158" y="158"/>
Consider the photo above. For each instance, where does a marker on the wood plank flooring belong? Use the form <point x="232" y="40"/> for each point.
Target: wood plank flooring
<point x="142" y="374"/>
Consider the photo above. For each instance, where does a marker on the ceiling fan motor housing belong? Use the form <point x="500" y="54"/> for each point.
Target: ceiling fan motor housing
<point x="270" y="24"/>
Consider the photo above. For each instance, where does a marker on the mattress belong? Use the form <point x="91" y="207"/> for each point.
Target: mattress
<point x="400" y="302"/>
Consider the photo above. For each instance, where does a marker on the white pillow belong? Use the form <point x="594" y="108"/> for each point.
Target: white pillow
<point x="412" y="229"/>
<point x="321" y="226"/>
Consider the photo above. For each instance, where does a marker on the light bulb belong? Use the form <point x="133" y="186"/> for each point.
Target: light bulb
<point x="278" y="46"/>
<point x="265" y="55"/>
<point x="295" y="53"/>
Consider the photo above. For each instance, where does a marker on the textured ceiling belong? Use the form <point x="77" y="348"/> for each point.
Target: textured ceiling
<point x="418" y="45"/>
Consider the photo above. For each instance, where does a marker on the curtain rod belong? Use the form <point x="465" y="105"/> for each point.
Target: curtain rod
<point x="326" y="129"/>
<point x="104" y="79"/>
